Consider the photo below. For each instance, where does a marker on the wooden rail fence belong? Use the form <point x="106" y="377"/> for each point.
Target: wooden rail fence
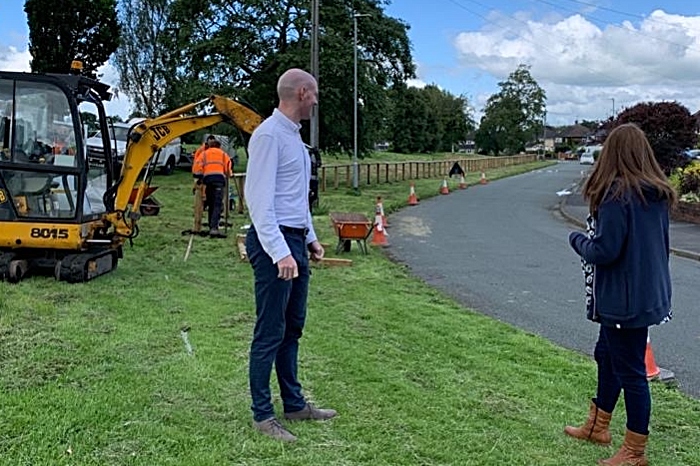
<point x="370" y="173"/>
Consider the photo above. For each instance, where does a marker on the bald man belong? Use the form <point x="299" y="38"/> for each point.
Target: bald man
<point x="279" y="244"/>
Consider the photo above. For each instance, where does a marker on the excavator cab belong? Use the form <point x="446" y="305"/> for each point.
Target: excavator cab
<point x="49" y="184"/>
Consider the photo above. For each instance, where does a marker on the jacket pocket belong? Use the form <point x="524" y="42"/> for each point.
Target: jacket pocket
<point x="614" y="297"/>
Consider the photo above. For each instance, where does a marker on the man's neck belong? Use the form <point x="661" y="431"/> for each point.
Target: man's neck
<point x="290" y="112"/>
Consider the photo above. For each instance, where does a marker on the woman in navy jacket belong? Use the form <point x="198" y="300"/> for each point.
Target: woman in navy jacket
<point x="628" y="284"/>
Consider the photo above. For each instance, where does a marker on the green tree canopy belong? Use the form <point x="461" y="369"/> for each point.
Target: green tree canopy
<point x="428" y="119"/>
<point x="240" y="48"/>
<point x="514" y="116"/>
<point x="60" y="32"/>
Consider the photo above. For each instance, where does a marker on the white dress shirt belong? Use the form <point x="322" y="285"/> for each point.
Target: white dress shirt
<point x="277" y="183"/>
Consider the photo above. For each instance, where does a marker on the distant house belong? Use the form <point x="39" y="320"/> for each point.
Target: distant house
<point x="696" y="117"/>
<point x="550" y="136"/>
<point x="574" y="135"/>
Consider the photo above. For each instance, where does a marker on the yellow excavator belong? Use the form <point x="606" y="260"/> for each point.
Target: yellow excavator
<point x="66" y="208"/>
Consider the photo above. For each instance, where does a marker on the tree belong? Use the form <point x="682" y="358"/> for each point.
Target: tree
<point x="669" y="126"/>
<point x="513" y="116"/>
<point x="241" y="47"/>
<point x="90" y="120"/>
<point x="143" y="57"/>
<point x="409" y="125"/>
<point x="427" y="120"/>
<point x="501" y="129"/>
<point x="60" y="32"/>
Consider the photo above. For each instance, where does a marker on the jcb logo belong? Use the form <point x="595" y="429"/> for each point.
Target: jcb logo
<point x="3" y="196"/>
<point x="159" y="132"/>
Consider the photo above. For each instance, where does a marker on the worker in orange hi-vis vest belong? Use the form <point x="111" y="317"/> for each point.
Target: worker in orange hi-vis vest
<point x="212" y="167"/>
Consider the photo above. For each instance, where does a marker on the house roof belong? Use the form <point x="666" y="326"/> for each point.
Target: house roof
<point x="574" y="132"/>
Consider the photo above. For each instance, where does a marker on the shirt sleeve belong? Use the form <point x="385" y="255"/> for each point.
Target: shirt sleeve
<point x="610" y="235"/>
<point x="259" y="194"/>
<point x="311" y="236"/>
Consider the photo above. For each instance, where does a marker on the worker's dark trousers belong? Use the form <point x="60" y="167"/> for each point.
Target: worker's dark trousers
<point x="620" y="357"/>
<point x="215" y="195"/>
<point x="281" y="311"/>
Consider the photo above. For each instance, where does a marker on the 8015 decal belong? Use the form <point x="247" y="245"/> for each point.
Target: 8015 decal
<point x="49" y="233"/>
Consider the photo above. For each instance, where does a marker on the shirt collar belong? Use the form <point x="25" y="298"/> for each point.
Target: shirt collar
<point x="289" y="124"/>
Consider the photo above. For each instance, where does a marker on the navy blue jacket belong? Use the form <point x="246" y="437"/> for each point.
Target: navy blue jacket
<point x="630" y="251"/>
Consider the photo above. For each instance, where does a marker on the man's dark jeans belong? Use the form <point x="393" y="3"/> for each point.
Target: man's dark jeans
<point x="280" y="306"/>
<point x="620" y="357"/>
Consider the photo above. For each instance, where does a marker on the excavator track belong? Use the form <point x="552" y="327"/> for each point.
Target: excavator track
<point x="5" y="259"/>
<point x="82" y="267"/>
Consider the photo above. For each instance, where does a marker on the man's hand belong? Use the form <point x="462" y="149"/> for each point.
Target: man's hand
<point x="287" y="267"/>
<point x="316" y="251"/>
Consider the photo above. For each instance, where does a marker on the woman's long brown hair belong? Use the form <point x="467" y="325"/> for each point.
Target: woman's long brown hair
<point x="626" y="164"/>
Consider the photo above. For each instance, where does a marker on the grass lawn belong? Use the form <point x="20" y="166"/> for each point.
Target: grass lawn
<point x="98" y="373"/>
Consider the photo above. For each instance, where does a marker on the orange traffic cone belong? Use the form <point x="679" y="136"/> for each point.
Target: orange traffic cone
<point x="444" y="189"/>
<point x="379" y="236"/>
<point x="483" y="178"/>
<point x="412" y="198"/>
<point x="462" y="182"/>
<point x="380" y="207"/>
<point x="649" y="361"/>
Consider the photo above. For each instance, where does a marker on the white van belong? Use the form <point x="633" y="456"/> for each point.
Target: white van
<point x="167" y="158"/>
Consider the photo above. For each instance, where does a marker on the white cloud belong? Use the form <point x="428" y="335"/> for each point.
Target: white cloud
<point x="12" y="59"/>
<point x="583" y="66"/>
<point x="419" y="83"/>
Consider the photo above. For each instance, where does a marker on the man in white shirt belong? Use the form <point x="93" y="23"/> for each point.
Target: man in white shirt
<point x="279" y="244"/>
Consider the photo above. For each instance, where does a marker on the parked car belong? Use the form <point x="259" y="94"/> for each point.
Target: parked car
<point x="586" y="159"/>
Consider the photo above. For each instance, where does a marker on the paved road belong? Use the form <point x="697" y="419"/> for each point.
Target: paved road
<point x="502" y="249"/>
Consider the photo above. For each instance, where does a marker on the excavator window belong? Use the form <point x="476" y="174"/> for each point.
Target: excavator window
<point x="5" y="119"/>
<point x="36" y="129"/>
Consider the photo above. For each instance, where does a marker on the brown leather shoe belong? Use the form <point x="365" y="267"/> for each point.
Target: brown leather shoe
<point x="310" y="412"/>
<point x="273" y="429"/>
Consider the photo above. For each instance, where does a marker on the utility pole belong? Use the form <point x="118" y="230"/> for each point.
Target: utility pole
<point x="314" y="70"/>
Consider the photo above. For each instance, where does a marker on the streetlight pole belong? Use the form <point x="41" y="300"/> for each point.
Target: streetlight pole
<point x="355" y="168"/>
<point x="613" y="108"/>
<point x="314" y="70"/>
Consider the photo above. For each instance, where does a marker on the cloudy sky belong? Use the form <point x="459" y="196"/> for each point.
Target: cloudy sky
<point x="589" y="56"/>
<point x="592" y="57"/>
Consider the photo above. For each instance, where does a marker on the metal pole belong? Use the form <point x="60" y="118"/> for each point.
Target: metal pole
<point x="355" y="173"/>
<point x="613" y="102"/>
<point x="314" y="70"/>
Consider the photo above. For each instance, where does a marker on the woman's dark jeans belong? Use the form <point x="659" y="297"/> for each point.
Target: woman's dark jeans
<point x="620" y="357"/>
<point x="280" y="307"/>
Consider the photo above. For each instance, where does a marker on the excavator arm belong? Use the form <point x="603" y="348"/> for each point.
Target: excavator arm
<point x="149" y="136"/>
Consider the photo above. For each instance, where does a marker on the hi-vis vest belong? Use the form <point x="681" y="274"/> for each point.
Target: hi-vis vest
<point x="212" y="161"/>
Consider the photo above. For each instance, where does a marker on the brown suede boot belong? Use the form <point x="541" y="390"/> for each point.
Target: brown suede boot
<point x="631" y="453"/>
<point x="595" y="429"/>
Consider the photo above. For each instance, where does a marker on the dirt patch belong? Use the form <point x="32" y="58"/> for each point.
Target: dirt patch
<point x="413" y="226"/>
